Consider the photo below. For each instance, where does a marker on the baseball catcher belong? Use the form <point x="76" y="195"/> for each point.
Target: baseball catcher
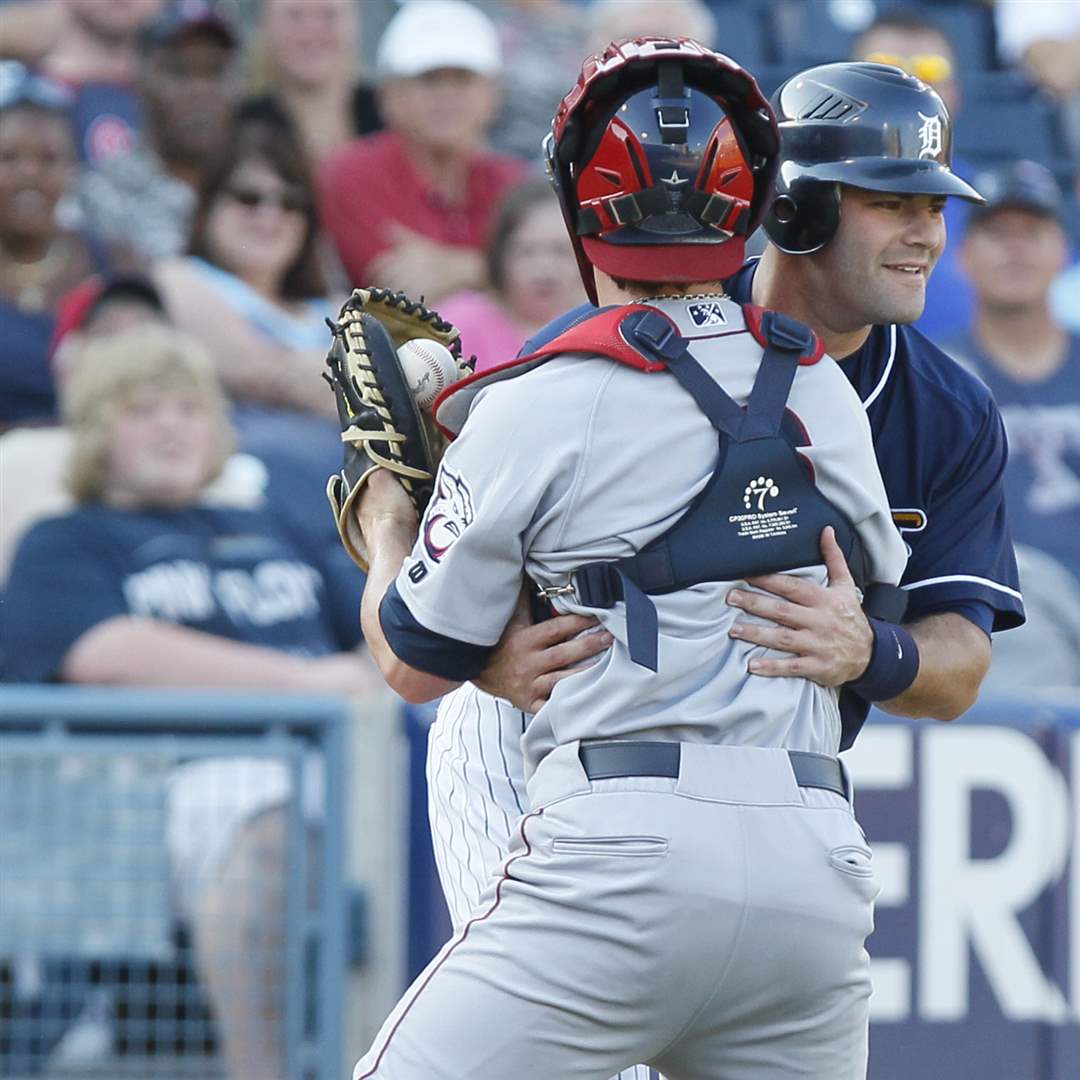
<point x="382" y="427"/>
<point x="675" y="891"/>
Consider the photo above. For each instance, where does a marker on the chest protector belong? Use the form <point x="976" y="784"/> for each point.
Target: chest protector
<point x="759" y="513"/>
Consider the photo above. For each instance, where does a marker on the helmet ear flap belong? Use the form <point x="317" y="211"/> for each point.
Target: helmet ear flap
<point x="804" y="215"/>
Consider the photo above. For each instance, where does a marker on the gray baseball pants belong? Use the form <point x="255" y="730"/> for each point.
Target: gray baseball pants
<point x="711" y="925"/>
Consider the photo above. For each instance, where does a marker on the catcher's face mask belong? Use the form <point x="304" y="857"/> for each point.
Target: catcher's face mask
<point x="662" y="157"/>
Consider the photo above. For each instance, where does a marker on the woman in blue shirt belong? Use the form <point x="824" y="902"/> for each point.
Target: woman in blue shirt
<point x="252" y="289"/>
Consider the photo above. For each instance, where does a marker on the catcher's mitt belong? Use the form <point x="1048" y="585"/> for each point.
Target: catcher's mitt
<point x="381" y="425"/>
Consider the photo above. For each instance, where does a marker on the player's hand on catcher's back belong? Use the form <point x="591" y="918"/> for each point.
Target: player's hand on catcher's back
<point x="823" y="627"/>
<point x="531" y="658"/>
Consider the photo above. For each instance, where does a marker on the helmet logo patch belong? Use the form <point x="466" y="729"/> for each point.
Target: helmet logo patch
<point x="930" y="136"/>
<point x="709" y="314"/>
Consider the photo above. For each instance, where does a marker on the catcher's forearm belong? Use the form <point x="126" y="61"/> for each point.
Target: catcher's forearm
<point x="954" y="656"/>
<point x="389" y="540"/>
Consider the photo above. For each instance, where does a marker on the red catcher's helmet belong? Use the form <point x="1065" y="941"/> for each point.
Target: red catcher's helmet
<point x="663" y="157"/>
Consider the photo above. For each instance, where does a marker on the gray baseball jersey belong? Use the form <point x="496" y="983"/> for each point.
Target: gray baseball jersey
<point x="583" y="459"/>
<point x="580" y="460"/>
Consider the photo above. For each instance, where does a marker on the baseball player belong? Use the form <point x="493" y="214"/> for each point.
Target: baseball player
<point x="856" y="229"/>
<point x="945" y="493"/>
<point x="689" y="887"/>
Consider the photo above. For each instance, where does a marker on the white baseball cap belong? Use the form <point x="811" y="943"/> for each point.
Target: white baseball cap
<point x="429" y="34"/>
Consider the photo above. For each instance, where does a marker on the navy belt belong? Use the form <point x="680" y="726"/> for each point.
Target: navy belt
<point x="608" y="760"/>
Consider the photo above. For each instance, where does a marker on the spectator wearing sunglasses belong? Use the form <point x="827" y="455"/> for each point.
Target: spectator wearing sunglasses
<point x="40" y="259"/>
<point x="188" y="81"/>
<point x="905" y="38"/>
<point x="251" y="289"/>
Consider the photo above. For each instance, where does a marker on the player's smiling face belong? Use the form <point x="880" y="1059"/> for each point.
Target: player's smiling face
<point x="878" y="264"/>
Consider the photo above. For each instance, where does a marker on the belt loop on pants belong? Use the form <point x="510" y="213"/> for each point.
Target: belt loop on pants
<point x="608" y="760"/>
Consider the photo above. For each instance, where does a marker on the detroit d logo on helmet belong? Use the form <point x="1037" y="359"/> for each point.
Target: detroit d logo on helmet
<point x="449" y="513"/>
<point x="931" y="141"/>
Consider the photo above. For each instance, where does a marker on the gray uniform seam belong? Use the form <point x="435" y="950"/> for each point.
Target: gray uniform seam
<point x="798" y="805"/>
<point x="759" y="805"/>
<point x="549" y="803"/>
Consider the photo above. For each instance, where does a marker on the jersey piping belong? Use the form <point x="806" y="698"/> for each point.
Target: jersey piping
<point x="964" y="577"/>
<point x="887" y="372"/>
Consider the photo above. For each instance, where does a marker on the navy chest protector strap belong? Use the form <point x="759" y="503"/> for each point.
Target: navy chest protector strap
<point x="760" y="511"/>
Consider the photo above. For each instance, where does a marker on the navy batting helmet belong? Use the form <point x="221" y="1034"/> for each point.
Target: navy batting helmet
<point x="662" y="157"/>
<point x="868" y="125"/>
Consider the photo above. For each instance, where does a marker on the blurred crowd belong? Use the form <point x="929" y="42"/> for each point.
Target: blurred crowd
<point x="227" y="171"/>
<point x="189" y="188"/>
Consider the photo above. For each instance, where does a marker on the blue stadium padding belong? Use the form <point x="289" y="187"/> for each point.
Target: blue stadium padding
<point x="983" y="1042"/>
<point x="1062" y="1041"/>
<point x="740" y="33"/>
<point x="805" y="34"/>
<point x="1006" y="130"/>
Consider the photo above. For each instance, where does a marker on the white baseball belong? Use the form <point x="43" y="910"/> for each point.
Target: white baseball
<point x="429" y="369"/>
